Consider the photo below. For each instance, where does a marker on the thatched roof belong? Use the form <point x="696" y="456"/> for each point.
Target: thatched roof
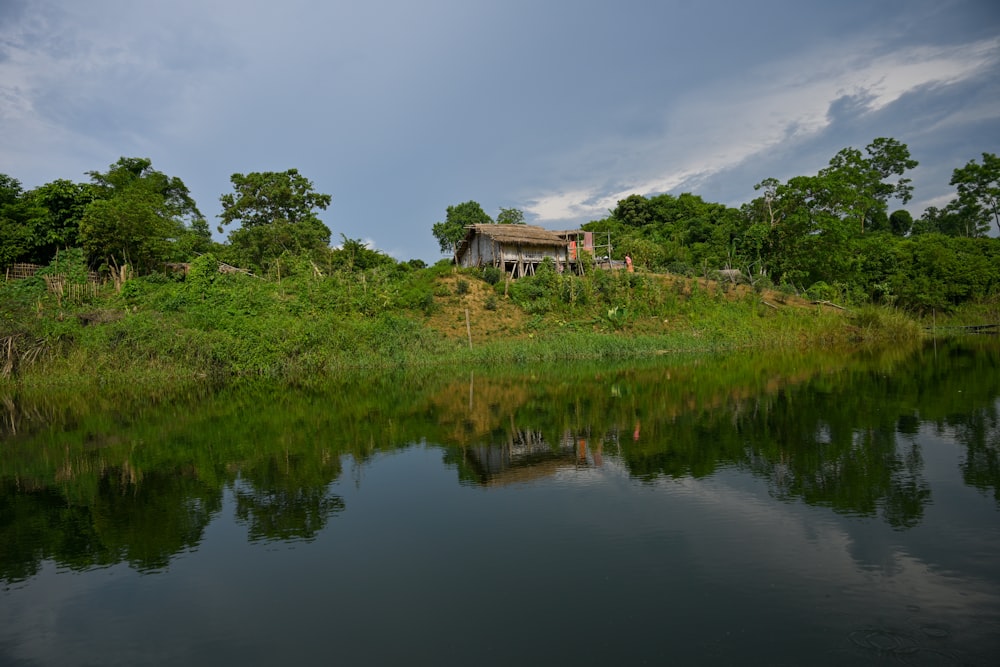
<point x="523" y="234"/>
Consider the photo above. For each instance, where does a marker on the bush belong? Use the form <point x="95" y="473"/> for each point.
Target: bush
<point x="492" y="275"/>
<point x="820" y="291"/>
<point x="680" y="269"/>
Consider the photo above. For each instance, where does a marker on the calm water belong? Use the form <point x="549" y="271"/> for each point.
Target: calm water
<point x="779" y="510"/>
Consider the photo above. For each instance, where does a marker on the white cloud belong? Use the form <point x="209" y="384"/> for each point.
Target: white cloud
<point x="724" y="124"/>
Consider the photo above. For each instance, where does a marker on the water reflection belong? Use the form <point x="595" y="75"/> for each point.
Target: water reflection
<point x="138" y="482"/>
<point x="287" y="498"/>
<point x="524" y="457"/>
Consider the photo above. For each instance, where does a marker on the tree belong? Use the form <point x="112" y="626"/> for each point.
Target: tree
<point x="15" y="233"/>
<point x="129" y="174"/>
<point x="277" y="214"/>
<point x="889" y="157"/>
<point x="196" y="240"/>
<point x="808" y="228"/>
<point x="354" y="254"/>
<point x="979" y="192"/>
<point x="451" y="232"/>
<point x="137" y="216"/>
<point x="59" y="207"/>
<point x="855" y="187"/>
<point x="633" y="211"/>
<point x="510" y="216"/>
<point x="900" y="222"/>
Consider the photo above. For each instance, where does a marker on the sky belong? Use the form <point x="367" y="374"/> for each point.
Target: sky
<point x="401" y="108"/>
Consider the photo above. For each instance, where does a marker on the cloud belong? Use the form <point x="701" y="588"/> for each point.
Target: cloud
<point x="720" y="126"/>
<point x="399" y="109"/>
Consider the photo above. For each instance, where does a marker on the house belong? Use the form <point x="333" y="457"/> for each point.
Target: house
<point x="515" y="249"/>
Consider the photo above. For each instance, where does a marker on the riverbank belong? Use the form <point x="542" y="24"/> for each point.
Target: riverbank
<point x="161" y="331"/>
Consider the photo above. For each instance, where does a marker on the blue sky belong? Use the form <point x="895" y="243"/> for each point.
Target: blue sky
<point x="399" y="108"/>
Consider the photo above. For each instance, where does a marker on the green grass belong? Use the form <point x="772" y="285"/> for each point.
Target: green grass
<point x="163" y="331"/>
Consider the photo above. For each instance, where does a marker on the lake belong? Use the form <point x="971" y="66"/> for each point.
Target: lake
<point x="784" y="509"/>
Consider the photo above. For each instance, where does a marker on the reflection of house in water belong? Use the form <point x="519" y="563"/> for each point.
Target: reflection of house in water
<point x="527" y="456"/>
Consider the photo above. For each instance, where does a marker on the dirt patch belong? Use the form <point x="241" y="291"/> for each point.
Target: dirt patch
<point x="491" y="315"/>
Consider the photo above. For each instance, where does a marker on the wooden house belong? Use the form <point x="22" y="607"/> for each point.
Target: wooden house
<point x="515" y="249"/>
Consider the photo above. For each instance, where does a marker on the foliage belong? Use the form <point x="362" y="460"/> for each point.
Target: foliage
<point x="451" y="232"/>
<point x="938" y="272"/>
<point x="979" y="192"/>
<point x="312" y="309"/>
<point x="277" y="216"/>
<point x="137" y="215"/>
<point x="15" y="234"/>
<point x="355" y="254"/>
<point x="807" y="229"/>
<point x="492" y="274"/>
<point x="900" y="222"/>
<point x="664" y="230"/>
<point x="510" y="216"/>
<point x="58" y="208"/>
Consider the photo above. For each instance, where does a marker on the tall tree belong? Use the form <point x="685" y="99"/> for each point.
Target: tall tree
<point x="15" y="232"/>
<point x="450" y="232"/>
<point x="277" y="212"/>
<point x="900" y="222"/>
<point x="510" y="216"/>
<point x="979" y="192"/>
<point x="137" y="216"/>
<point x="59" y="207"/>
<point x="805" y="230"/>
<point x="854" y="186"/>
<point x="634" y="211"/>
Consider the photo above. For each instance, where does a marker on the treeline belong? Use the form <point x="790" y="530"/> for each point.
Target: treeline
<point x="832" y="234"/>
<point x="133" y="215"/>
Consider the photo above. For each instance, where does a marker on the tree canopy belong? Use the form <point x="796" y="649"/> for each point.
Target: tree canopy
<point x="136" y="216"/>
<point x="15" y="234"/>
<point x="277" y="212"/>
<point x="450" y="232"/>
<point x="510" y="216"/>
<point x="829" y="233"/>
<point x="979" y="192"/>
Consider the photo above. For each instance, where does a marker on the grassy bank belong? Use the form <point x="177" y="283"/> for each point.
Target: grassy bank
<point x="160" y="331"/>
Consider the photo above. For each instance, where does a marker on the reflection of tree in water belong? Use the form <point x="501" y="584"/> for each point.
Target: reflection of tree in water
<point x="144" y="522"/>
<point x="979" y="431"/>
<point x="287" y="498"/>
<point x="148" y="522"/>
<point x="855" y="470"/>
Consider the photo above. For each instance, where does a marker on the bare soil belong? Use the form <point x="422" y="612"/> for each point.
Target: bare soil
<point x="450" y="307"/>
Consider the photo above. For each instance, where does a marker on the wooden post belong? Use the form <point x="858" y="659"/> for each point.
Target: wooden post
<point x="468" y="327"/>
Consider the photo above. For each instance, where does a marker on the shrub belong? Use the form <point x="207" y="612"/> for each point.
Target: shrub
<point x="492" y="275"/>
<point x="680" y="269"/>
<point x="820" y="291"/>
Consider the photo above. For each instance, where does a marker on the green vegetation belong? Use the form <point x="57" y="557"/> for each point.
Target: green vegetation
<point x="831" y="234"/>
<point x="813" y="261"/>
<point x="277" y="212"/>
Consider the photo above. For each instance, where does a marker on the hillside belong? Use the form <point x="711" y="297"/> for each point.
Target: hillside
<point x="492" y="315"/>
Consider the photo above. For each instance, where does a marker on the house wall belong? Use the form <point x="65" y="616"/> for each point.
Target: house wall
<point x="483" y="251"/>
